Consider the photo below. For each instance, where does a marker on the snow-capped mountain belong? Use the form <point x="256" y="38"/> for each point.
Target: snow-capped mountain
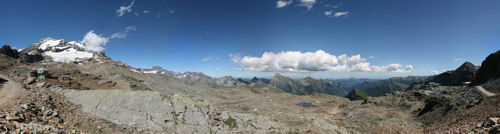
<point x="226" y="81"/>
<point x="60" y="50"/>
<point x="154" y="70"/>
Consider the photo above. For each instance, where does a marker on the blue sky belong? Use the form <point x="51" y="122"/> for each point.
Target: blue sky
<point x="429" y="35"/>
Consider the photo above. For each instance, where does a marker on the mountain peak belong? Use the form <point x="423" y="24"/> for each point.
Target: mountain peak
<point x="467" y="66"/>
<point x="60" y="50"/>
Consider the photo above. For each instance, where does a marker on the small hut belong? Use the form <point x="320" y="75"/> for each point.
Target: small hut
<point x="66" y="78"/>
<point x="467" y="83"/>
<point x="42" y="73"/>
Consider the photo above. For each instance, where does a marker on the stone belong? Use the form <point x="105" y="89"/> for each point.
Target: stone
<point x="41" y="84"/>
<point x="480" y="124"/>
<point x="494" y="120"/>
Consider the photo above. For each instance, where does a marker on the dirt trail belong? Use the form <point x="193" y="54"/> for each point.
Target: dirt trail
<point x="10" y="90"/>
<point x="484" y="91"/>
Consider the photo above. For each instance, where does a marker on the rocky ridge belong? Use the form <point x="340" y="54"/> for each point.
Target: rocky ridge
<point x="465" y="73"/>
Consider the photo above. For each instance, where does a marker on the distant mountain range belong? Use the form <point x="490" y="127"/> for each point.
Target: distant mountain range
<point x="382" y="87"/>
<point x="305" y="86"/>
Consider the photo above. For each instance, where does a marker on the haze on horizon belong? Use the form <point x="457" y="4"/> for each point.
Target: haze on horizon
<point x="298" y="38"/>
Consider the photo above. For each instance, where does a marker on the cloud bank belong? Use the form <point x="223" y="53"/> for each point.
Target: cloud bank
<point x="296" y="61"/>
<point x="94" y="42"/>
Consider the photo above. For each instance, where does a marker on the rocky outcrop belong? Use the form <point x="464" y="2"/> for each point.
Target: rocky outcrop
<point x="6" y="61"/>
<point x="148" y="111"/>
<point x="7" y="50"/>
<point x="489" y="70"/>
<point x="464" y="73"/>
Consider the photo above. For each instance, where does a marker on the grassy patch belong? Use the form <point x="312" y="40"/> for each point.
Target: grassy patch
<point x="135" y="84"/>
<point x="361" y="93"/>
<point x="231" y="122"/>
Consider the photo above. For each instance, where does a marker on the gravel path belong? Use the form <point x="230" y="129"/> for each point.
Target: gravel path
<point x="10" y="90"/>
<point x="484" y="91"/>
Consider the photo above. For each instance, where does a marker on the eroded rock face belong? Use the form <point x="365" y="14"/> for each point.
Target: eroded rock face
<point x="7" y="50"/>
<point x="148" y="111"/>
<point x="489" y="70"/>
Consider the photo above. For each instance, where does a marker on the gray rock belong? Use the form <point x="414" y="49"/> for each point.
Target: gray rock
<point x="148" y="111"/>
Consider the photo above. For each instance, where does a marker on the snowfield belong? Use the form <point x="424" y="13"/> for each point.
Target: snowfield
<point x="69" y="55"/>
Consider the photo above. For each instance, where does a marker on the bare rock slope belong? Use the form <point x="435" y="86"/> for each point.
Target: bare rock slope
<point x="148" y="111"/>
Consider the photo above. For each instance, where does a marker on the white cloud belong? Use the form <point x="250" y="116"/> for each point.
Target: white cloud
<point x="338" y="14"/>
<point x="206" y="59"/>
<point x="146" y="11"/>
<point x="171" y="11"/>
<point x="307" y="3"/>
<point x="333" y="6"/>
<point x="123" y="34"/>
<point x="216" y="69"/>
<point x="235" y="57"/>
<point x="94" y="42"/>
<point x="408" y="67"/>
<point x="136" y="13"/>
<point x="295" y="61"/>
<point x="283" y="3"/>
<point x="130" y="28"/>
<point x="118" y="35"/>
<point x="125" y="9"/>
<point x="371" y="57"/>
<point x="459" y="59"/>
<point x="435" y="71"/>
<point x="328" y="13"/>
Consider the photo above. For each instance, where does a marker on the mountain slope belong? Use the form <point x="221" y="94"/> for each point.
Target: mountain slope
<point x="307" y="86"/>
<point x="357" y="94"/>
<point x="311" y="85"/>
<point x="382" y="87"/>
<point x="286" y="84"/>
<point x="465" y="73"/>
<point x="489" y="73"/>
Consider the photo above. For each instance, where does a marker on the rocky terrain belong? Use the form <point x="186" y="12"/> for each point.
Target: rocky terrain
<point x="106" y="96"/>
